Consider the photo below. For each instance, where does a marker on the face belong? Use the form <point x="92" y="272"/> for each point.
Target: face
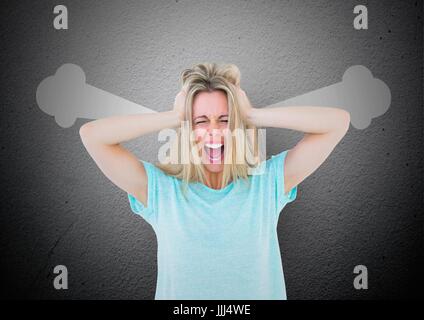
<point x="210" y="119"/>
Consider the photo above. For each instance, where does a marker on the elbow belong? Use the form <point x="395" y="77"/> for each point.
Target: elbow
<point x="85" y="131"/>
<point x="344" y="121"/>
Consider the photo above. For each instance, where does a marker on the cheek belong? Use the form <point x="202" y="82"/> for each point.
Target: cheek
<point x="199" y="135"/>
<point x="197" y="138"/>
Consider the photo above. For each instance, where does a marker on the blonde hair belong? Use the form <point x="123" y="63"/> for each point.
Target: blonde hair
<point x="208" y="77"/>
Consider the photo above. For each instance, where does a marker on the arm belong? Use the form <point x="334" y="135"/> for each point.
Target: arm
<point x="324" y="127"/>
<point x="102" y="140"/>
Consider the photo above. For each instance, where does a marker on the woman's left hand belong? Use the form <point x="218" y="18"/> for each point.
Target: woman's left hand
<point x="245" y="105"/>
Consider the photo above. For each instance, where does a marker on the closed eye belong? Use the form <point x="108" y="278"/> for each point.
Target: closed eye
<point x="204" y="121"/>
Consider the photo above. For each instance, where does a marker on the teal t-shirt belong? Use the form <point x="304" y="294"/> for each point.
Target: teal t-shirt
<point x="217" y="244"/>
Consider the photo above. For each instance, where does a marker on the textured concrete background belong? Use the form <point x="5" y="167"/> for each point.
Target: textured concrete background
<point x="362" y="206"/>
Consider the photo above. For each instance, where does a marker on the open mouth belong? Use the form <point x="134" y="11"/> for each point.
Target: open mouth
<point x="214" y="151"/>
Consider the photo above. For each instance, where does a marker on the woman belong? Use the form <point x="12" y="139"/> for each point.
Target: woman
<point x="216" y="234"/>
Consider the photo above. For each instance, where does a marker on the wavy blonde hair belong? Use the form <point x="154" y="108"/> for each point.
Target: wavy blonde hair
<point x="208" y="77"/>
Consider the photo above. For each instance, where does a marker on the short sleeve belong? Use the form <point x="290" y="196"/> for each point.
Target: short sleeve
<point x="148" y="213"/>
<point x="276" y="167"/>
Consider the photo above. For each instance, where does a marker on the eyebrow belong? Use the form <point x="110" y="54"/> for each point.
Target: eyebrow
<point x="204" y="116"/>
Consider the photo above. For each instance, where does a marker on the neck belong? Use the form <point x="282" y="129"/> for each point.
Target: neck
<point x="213" y="180"/>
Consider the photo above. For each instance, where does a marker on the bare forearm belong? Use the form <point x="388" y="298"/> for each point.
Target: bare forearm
<point x="304" y="118"/>
<point x="117" y="129"/>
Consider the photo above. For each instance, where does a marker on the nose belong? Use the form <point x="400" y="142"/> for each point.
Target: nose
<point x="215" y="132"/>
<point x="215" y="127"/>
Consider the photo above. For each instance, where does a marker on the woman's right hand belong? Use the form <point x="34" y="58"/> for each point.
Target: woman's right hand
<point x="179" y="104"/>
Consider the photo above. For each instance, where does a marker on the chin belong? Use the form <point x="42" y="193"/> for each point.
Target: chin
<point x="215" y="168"/>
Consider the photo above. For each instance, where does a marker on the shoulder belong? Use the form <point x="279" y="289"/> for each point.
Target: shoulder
<point x="270" y="167"/>
<point x="276" y="161"/>
<point x="159" y="176"/>
<point x="154" y="168"/>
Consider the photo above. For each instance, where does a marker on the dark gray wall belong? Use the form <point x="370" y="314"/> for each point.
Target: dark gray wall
<point x="362" y="206"/>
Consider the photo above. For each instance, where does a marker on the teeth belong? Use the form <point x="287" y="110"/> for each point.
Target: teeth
<point x="213" y="145"/>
